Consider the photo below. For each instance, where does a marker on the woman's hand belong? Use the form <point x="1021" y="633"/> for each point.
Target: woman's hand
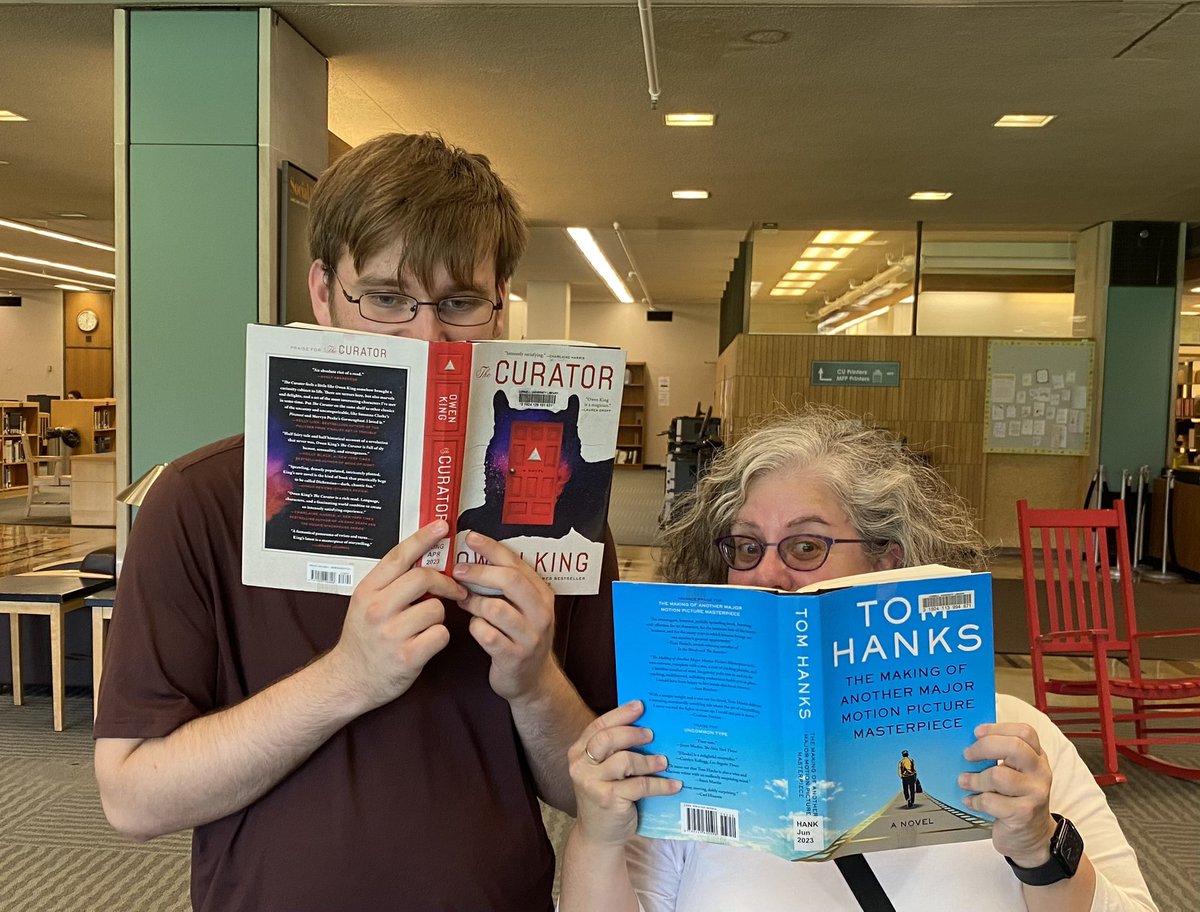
<point x="609" y="777"/>
<point x="1016" y="791"/>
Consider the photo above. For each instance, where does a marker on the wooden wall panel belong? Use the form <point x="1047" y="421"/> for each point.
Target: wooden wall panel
<point x="89" y="370"/>
<point x="938" y="408"/>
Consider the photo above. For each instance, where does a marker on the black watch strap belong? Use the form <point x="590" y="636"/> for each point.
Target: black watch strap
<point x="1066" y="848"/>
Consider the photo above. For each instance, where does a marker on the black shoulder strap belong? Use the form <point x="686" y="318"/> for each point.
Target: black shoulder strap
<point x="864" y="884"/>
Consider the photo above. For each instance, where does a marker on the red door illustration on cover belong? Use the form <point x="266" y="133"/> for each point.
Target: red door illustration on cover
<point x="532" y="488"/>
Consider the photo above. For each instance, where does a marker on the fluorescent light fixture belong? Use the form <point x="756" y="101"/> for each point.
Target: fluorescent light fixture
<point x="513" y="296"/>
<point x="689" y="194"/>
<point x="1024" y="120"/>
<point x="826" y="253"/>
<point x="54" y="235"/>
<point x="34" y="261"/>
<point x="73" y="215"/>
<point x="1194" y="290"/>
<point x="805" y="276"/>
<point x="907" y="300"/>
<point x="11" y="117"/>
<point x="595" y="256"/>
<point x="867" y="316"/>
<point x="66" y="287"/>
<point x="814" y="265"/>
<point x="931" y="195"/>
<point x="794" y="283"/>
<point x="755" y="287"/>
<point x="54" y="278"/>
<point x="831" y="236"/>
<point x="689" y="120"/>
<point x="788" y="292"/>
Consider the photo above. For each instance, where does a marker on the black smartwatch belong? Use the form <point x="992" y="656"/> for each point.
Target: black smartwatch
<point x="1066" y="848"/>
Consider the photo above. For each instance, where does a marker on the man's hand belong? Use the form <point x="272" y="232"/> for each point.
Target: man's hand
<point x="394" y="624"/>
<point x="515" y="628"/>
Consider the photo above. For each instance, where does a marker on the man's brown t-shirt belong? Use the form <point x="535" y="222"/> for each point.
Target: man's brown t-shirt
<point x="424" y="803"/>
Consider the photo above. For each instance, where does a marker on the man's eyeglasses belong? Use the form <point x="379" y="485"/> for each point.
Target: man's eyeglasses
<point x="800" y="552"/>
<point x="394" y="307"/>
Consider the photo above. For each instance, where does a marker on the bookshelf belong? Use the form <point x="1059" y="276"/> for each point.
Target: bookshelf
<point x="631" y="430"/>
<point x="16" y="420"/>
<point x="94" y="419"/>
<point x="1187" y="405"/>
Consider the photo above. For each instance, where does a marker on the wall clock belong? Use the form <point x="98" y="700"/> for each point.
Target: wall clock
<point x="87" y="321"/>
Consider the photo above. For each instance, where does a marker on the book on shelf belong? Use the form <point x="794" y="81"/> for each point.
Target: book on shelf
<point x="355" y="440"/>
<point x="786" y="715"/>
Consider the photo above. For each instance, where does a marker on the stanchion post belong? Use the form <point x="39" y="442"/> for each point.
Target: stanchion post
<point x="1164" y="575"/>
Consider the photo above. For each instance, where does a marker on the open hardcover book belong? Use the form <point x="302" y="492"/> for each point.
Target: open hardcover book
<point x="355" y="440"/>
<point x="786" y="714"/>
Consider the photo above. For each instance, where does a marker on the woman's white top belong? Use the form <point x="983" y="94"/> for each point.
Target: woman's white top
<point x="680" y="876"/>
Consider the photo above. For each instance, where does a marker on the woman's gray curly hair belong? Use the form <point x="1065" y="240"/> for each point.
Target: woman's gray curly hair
<point x="891" y="496"/>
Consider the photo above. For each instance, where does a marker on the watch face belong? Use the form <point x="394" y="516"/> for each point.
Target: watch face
<point x="87" y="320"/>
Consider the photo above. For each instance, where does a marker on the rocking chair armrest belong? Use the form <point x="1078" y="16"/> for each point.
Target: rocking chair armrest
<point x="1093" y="633"/>
<point x="1151" y="634"/>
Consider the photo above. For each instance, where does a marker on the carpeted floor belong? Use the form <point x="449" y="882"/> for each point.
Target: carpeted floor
<point x="57" y="852"/>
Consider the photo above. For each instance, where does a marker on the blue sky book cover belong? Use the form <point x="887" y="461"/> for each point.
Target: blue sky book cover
<point x="785" y="715"/>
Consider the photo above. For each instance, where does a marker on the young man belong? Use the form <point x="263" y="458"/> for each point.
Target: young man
<point x="381" y="751"/>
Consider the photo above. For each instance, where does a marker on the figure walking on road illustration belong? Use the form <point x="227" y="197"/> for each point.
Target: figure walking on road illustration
<point x="907" y="767"/>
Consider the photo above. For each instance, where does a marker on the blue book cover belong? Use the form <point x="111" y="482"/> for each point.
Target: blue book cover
<point x="797" y="721"/>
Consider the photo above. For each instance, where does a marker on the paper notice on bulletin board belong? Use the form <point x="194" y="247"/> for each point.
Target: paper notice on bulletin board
<point x="664" y="391"/>
<point x="1039" y="397"/>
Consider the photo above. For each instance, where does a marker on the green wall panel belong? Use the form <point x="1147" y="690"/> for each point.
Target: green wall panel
<point x="193" y="246"/>
<point x="1139" y="366"/>
<point x="193" y="76"/>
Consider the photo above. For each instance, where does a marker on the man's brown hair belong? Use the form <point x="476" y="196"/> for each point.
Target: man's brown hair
<point x="447" y="205"/>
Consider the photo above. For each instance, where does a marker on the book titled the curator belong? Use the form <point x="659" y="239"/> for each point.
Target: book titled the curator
<point x="786" y="715"/>
<point x="355" y="440"/>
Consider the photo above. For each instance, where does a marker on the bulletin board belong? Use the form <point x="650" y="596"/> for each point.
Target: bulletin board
<point x="1039" y="397"/>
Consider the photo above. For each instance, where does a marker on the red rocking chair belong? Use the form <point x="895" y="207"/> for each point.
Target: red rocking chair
<point x="1072" y="612"/>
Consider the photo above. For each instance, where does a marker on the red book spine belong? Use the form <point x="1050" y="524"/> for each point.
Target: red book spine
<point x="446" y="400"/>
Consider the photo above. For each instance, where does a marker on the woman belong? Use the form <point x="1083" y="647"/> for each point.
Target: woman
<point x="803" y="499"/>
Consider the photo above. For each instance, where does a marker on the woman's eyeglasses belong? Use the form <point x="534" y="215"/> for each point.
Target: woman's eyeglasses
<point x="800" y="552"/>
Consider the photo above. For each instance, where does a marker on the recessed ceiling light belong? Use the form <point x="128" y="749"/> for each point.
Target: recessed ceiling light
<point x="54" y="278"/>
<point x="689" y="120"/>
<point x="814" y="265"/>
<point x="599" y="262"/>
<point x="932" y="195"/>
<point x="830" y="236"/>
<point x="789" y="292"/>
<point x="826" y="253"/>
<point x="1024" y="120"/>
<point x="11" y="117"/>
<point x="689" y="194"/>
<point x="790" y="283"/>
<point x="34" y="261"/>
<point x="55" y="235"/>
<point x="72" y="287"/>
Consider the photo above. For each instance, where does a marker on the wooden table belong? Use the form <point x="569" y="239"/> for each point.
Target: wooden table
<point x="94" y="489"/>
<point x="101" y="604"/>
<point x="53" y="596"/>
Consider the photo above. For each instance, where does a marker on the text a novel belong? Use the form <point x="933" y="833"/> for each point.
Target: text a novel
<point x="787" y="715"/>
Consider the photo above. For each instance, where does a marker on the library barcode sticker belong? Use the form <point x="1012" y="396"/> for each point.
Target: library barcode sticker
<point x="529" y="397"/>
<point x="699" y="820"/>
<point x="331" y="574"/>
<point x="940" y="602"/>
